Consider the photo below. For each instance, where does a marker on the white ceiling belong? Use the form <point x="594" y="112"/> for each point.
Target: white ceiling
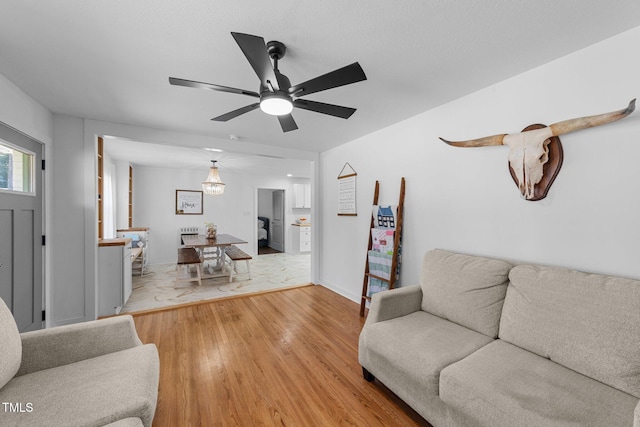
<point x="110" y="60"/>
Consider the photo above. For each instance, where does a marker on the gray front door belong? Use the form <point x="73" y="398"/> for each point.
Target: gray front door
<point x="21" y="248"/>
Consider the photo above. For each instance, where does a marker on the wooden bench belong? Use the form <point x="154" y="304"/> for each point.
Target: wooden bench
<point x="236" y="254"/>
<point x="135" y="253"/>
<point x="186" y="258"/>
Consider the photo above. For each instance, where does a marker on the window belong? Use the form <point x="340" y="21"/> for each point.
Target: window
<point x="16" y="169"/>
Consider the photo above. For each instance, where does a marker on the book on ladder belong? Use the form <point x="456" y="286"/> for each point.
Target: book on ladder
<point x="382" y="267"/>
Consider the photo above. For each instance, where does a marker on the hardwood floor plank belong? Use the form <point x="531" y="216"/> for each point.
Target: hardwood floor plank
<point x="287" y="358"/>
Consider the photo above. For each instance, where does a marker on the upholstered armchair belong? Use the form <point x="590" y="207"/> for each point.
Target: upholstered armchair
<point x="88" y="374"/>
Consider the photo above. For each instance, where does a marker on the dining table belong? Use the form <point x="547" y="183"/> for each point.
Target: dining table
<point x="201" y="243"/>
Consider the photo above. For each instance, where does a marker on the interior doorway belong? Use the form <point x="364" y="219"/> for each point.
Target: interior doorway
<point x="271" y="218"/>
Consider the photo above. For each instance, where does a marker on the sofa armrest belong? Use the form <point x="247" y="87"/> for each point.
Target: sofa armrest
<point x="61" y="345"/>
<point x="394" y="303"/>
<point x="636" y="416"/>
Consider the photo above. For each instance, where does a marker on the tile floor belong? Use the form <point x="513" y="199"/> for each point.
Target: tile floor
<point x="156" y="289"/>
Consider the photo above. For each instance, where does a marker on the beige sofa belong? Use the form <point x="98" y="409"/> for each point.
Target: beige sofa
<point x="482" y="342"/>
<point x="89" y="374"/>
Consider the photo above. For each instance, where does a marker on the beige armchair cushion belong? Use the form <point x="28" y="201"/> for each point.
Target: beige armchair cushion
<point x="11" y="347"/>
<point x="467" y="290"/>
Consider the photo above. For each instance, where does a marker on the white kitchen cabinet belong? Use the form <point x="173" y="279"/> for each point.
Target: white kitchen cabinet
<point x="302" y="196"/>
<point x="114" y="275"/>
<point x="301" y="237"/>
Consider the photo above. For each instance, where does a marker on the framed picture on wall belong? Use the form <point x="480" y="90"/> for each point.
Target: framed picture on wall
<point x="188" y="202"/>
<point x="347" y="191"/>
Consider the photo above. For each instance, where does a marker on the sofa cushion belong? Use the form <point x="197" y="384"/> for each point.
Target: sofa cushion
<point x="589" y="323"/>
<point x="416" y="347"/>
<point x="465" y="289"/>
<point x="504" y="385"/>
<point x="92" y="392"/>
<point x="11" y="348"/>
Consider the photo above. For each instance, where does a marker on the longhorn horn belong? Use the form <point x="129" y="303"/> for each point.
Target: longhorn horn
<point x="579" y="123"/>
<point x="480" y="142"/>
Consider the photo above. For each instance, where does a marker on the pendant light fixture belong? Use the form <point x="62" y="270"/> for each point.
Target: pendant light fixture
<point x="213" y="186"/>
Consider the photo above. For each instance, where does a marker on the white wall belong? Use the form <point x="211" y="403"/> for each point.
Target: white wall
<point x="72" y="263"/>
<point x="235" y="212"/>
<point x="463" y="199"/>
<point x="20" y="111"/>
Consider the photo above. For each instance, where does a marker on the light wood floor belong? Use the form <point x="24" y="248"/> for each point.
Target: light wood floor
<point x="287" y="358"/>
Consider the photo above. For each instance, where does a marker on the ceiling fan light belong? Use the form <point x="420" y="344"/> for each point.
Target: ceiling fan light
<point x="276" y="104"/>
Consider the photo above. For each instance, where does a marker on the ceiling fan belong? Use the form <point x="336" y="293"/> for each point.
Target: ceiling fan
<point x="276" y="94"/>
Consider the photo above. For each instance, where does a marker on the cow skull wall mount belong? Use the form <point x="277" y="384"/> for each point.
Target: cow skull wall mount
<point x="535" y="154"/>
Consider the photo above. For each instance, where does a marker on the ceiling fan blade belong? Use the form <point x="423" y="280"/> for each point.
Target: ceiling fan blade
<point x="321" y="107"/>
<point x="255" y="50"/>
<point x="342" y="76"/>
<point x="235" y="113"/>
<point x="210" y="86"/>
<point x="287" y="123"/>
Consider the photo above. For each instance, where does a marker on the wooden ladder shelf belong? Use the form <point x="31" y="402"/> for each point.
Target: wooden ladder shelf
<point x="396" y="246"/>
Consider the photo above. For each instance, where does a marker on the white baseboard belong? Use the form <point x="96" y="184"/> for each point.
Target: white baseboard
<point x="341" y="291"/>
